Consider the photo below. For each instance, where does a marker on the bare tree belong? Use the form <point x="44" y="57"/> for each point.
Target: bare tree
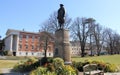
<point x="99" y="35"/>
<point x="116" y="43"/>
<point x="80" y="31"/>
<point x="51" y="25"/>
<point x="44" y="41"/>
<point x="91" y="23"/>
<point x="110" y="40"/>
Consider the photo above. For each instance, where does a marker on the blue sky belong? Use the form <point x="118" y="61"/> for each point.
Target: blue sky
<point x="30" y="14"/>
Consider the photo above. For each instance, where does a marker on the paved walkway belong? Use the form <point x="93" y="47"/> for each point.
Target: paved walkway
<point x="8" y="71"/>
<point x="112" y="73"/>
<point x="81" y="73"/>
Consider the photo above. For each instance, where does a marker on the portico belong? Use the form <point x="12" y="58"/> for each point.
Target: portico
<point x="11" y="42"/>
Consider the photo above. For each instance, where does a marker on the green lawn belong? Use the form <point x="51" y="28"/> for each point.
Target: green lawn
<point x="114" y="59"/>
<point x="10" y="61"/>
<point x="7" y="63"/>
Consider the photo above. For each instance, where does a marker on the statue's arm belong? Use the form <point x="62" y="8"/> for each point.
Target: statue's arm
<point x="63" y="12"/>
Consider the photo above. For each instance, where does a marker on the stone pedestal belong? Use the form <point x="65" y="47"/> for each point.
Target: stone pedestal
<point x="62" y="45"/>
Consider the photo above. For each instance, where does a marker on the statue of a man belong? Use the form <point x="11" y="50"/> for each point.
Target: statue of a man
<point x="61" y="14"/>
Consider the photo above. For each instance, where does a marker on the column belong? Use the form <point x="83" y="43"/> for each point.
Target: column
<point x="62" y="43"/>
<point x="11" y="42"/>
<point x="17" y="43"/>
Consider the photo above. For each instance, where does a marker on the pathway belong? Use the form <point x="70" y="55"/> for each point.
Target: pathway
<point x="8" y="71"/>
<point x="81" y="73"/>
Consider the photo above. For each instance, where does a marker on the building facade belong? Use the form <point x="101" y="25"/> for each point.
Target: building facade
<point x="23" y="43"/>
<point x="76" y="49"/>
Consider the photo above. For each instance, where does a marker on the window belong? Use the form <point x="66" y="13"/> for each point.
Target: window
<point x="43" y="54"/>
<point x="27" y="37"/>
<point x="20" y="53"/>
<point x="49" y="54"/>
<point x="49" y="48"/>
<point x="24" y="36"/>
<point x="56" y="51"/>
<point x="32" y="53"/>
<point x="38" y="38"/>
<point x="20" y="46"/>
<point x="26" y="46"/>
<point x="33" y="38"/>
<point x="38" y="54"/>
<point x="26" y="53"/>
<point x="20" y="37"/>
<point x="38" y="47"/>
<point x="32" y="47"/>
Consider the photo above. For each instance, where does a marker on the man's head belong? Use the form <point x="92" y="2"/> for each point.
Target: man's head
<point x="61" y="5"/>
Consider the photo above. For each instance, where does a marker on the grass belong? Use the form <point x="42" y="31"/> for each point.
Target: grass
<point x="10" y="61"/>
<point x="15" y="57"/>
<point x="113" y="59"/>
<point x="0" y="72"/>
<point x="7" y="63"/>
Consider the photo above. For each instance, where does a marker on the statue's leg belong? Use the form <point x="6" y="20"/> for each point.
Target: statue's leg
<point x="60" y="26"/>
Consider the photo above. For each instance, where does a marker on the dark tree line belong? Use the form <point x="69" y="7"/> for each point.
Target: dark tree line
<point x="87" y="31"/>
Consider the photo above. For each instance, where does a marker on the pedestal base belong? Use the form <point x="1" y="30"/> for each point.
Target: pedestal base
<point x="68" y="63"/>
<point x="62" y="45"/>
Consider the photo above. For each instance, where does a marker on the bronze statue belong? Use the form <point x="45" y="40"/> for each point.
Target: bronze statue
<point x="60" y="17"/>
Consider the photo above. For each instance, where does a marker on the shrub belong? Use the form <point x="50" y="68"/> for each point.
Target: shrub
<point x="58" y="62"/>
<point x="49" y="59"/>
<point x="111" y="68"/>
<point x="51" y="67"/>
<point x="32" y="60"/>
<point x="41" y="71"/>
<point x="78" y="65"/>
<point x="87" y="62"/>
<point x="101" y="65"/>
<point x="24" y="66"/>
<point x="95" y="62"/>
<point x="45" y="60"/>
<point x="57" y="67"/>
<point x="68" y="70"/>
<point x="5" y="52"/>
<point x="74" y="64"/>
<point x="107" y="67"/>
<point x="118" y="67"/>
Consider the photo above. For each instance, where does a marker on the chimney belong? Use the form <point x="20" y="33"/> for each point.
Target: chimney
<point x="39" y="30"/>
<point x="23" y="29"/>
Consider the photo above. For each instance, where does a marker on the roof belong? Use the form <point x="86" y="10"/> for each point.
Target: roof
<point x="13" y="30"/>
<point x="38" y="33"/>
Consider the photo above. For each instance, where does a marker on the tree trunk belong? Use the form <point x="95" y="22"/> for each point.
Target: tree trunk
<point x="82" y="51"/>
